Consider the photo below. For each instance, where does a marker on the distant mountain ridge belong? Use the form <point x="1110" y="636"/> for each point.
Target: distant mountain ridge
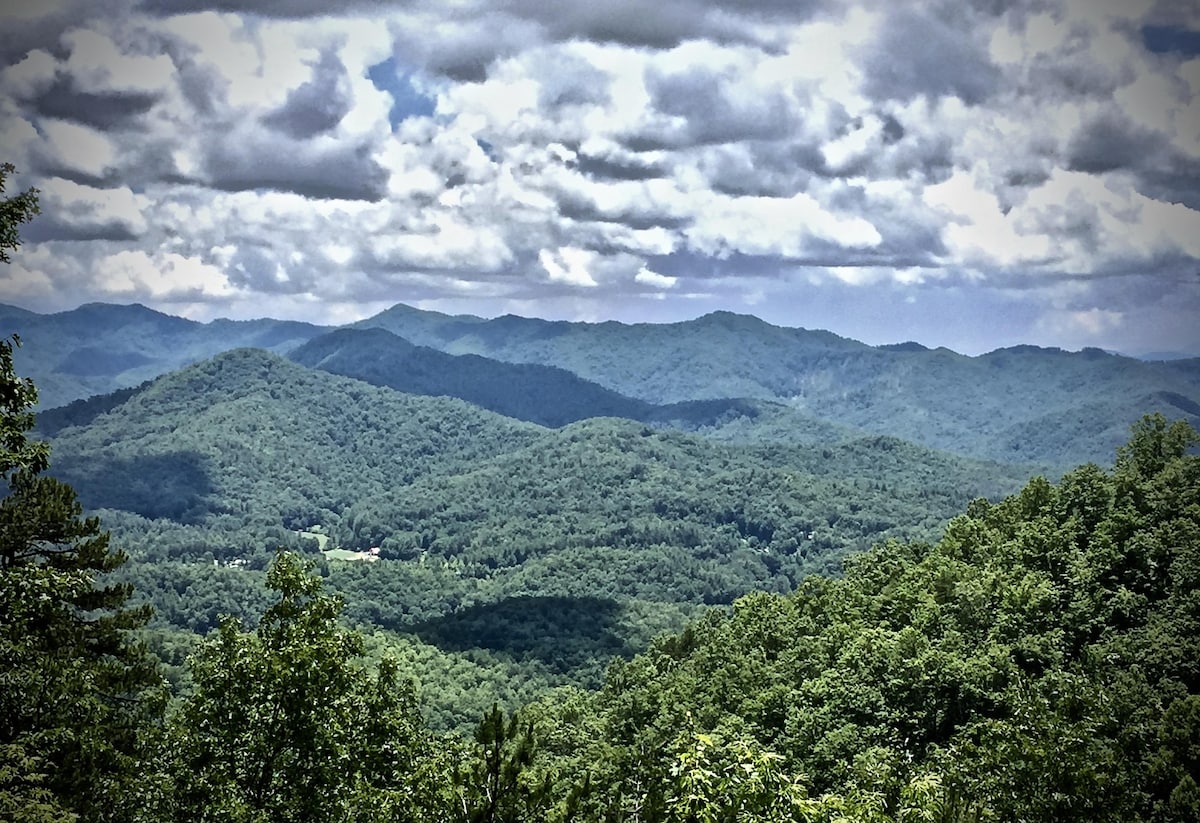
<point x="546" y="395"/>
<point x="101" y="347"/>
<point x="1020" y="404"/>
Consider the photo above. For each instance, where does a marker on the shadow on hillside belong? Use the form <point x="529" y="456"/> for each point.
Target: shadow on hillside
<point x="564" y="633"/>
<point x="176" y="486"/>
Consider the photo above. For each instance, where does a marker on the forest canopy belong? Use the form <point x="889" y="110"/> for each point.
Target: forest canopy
<point x="1049" y="640"/>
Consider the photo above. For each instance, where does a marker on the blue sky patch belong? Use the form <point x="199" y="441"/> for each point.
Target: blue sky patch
<point x="1164" y="39"/>
<point x="406" y="100"/>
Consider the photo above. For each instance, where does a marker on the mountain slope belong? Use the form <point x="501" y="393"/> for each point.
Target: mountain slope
<point x="231" y="454"/>
<point x="546" y="395"/>
<point x="250" y="435"/>
<point x="98" y="347"/>
<point x="1021" y="404"/>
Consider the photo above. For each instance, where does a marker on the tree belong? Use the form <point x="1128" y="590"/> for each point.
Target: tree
<point x="495" y="784"/>
<point x="285" y="725"/>
<point x="14" y="211"/>
<point x="76" y="691"/>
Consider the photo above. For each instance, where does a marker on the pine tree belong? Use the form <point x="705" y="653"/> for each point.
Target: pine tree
<point x="75" y="689"/>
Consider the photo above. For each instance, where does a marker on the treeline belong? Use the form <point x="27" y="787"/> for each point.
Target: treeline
<point x="1039" y="661"/>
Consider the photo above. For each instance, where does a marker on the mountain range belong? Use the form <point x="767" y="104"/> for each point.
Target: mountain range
<point x="729" y="376"/>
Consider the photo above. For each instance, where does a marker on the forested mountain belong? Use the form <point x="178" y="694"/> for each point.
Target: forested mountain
<point x="98" y="347"/>
<point x="1024" y="403"/>
<point x="249" y="437"/>
<point x="1036" y="661"/>
<point x="1041" y="661"/>
<point x="546" y="395"/>
<point x="549" y="550"/>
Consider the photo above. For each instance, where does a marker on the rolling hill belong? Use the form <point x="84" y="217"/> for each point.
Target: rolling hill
<point x="229" y="457"/>
<point x="1021" y="405"/>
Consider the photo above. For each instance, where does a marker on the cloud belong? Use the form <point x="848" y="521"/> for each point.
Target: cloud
<point x="568" y="265"/>
<point x="106" y="110"/>
<point x="74" y="150"/>
<point x="583" y="157"/>
<point x="316" y="106"/>
<point x="1110" y="142"/>
<point x="654" y="279"/>
<point x="71" y="211"/>
<point x="248" y="159"/>
<point x="140" y="276"/>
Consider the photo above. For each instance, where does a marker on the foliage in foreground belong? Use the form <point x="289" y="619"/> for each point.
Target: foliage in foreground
<point x="76" y="694"/>
<point x="1040" y="662"/>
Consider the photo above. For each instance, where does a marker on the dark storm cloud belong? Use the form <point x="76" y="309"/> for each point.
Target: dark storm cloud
<point x="582" y="210"/>
<point x="317" y="105"/>
<point x="23" y="33"/>
<point x="251" y="162"/>
<point x="715" y="110"/>
<point x="1177" y="181"/>
<point x="661" y="24"/>
<point x="271" y="8"/>
<point x="763" y="169"/>
<point x="630" y="167"/>
<point x="50" y="227"/>
<point x="1112" y="141"/>
<point x="929" y="54"/>
<point x="108" y="110"/>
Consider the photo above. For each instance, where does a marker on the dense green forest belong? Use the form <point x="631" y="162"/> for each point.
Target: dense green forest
<point x="1047" y="642"/>
<point x="526" y="556"/>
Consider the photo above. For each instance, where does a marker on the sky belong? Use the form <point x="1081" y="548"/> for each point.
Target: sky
<point x="966" y="173"/>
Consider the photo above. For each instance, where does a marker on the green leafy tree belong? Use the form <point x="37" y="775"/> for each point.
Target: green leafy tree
<point x="285" y="725"/>
<point x="15" y="210"/>
<point x="76" y="692"/>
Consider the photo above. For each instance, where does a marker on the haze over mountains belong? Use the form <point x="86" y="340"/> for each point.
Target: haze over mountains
<point x="732" y="376"/>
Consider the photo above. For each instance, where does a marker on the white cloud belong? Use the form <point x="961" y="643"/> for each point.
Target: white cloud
<point x="568" y="265"/>
<point x="570" y="153"/>
<point x="653" y="278"/>
<point x="172" y="277"/>
<point x="30" y="77"/>
<point x="82" y="206"/>
<point x="76" y="148"/>
<point x="776" y="226"/>
<point x="979" y="232"/>
<point x="97" y="64"/>
<point x="27" y="278"/>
